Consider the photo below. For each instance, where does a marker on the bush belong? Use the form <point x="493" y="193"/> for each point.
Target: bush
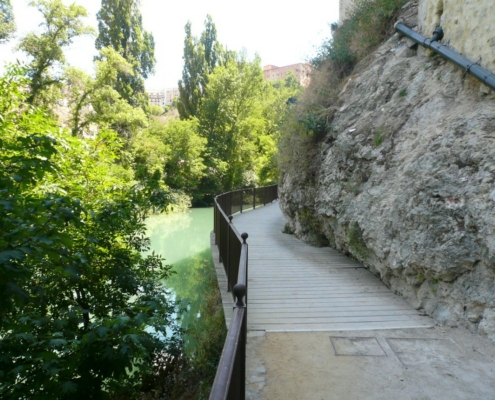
<point x="77" y="298"/>
<point x="369" y="24"/>
<point x="310" y="118"/>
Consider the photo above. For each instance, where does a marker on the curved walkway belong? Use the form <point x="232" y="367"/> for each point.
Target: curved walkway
<point x="296" y="287"/>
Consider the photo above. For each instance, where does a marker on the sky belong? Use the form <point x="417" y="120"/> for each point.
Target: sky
<point x="279" y="32"/>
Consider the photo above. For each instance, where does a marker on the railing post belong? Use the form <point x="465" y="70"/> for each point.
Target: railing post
<point x="239" y="392"/>
<point x="244" y="237"/>
<point x="229" y="278"/>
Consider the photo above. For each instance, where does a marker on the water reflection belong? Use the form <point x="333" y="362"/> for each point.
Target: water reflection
<point x="183" y="239"/>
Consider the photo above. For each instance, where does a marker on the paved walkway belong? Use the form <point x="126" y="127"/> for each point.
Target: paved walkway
<point x="296" y="287"/>
<point x="322" y="327"/>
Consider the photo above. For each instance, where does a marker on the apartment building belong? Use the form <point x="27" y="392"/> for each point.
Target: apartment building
<point x="163" y="97"/>
<point x="300" y="70"/>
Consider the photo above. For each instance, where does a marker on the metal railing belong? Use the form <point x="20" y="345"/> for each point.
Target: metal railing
<point x="231" y="372"/>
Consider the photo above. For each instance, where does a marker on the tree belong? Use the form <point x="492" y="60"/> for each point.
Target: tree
<point x="232" y="120"/>
<point x="7" y="23"/>
<point x="61" y="24"/>
<point x="80" y="307"/>
<point x="156" y="111"/>
<point x="239" y="116"/>
<point x="120" y="26"/>
<point x="172" y="150"/>
<point x="275" y="107"/>
<point x="93" y="101"/>
<point x="200" y="58"/>
<point x="185" y="165"/>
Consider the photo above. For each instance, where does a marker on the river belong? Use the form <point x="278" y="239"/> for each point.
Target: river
<point x="183" y="240"/>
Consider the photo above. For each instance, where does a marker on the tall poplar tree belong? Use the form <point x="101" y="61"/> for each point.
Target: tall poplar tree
<point x="120" y="26"/>
<point x="200" y="58"/>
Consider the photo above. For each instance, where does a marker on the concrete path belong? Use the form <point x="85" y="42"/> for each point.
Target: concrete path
<point x="400" y="364"/>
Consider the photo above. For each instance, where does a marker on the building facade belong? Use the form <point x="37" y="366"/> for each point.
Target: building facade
<point x="163" y="97"/>
<point x="157" y="98"/>
<point x="300" y="70"/>
<point x="170" y="95"/>
<point x="469" y="27"/>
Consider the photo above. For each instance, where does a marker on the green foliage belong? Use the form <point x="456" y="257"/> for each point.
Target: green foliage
<point x="370" y="22"/>
<point x="7" y="23"/>
<point x="78" y="301"/>
<point x="120" y="27"/>
<point x="173" y="152"/>
<point x="357" y="244"/>
<point x="156" y="110"/>
<point x="288" y="229"/>
<point x="240" y="115"/>
<point x="314" y="124"/>
<point x="94" y="102"/>
<point x="378" y="138"/>
<point x="231" y="118"/>
<point x="403" y="92"/>
<point x="200" y="58"/>
<point x="61" y="25"/>
<point x="184" y="167"/>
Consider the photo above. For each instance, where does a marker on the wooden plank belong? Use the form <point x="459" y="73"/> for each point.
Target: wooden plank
<point x="261" y="315"/>
<point x="340" y="326"/>
<point x="296" y="287"/>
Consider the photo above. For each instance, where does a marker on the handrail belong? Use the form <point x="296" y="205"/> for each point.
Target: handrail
<point x="230" y="379"/>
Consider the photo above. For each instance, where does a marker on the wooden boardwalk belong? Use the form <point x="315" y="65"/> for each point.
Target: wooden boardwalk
<point x="296" y="287"/>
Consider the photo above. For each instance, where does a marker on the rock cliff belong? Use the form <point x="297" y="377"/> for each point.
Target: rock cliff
<point x="404" y="181"/>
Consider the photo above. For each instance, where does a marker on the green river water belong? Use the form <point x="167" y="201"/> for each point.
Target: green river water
<point x="183" y="239"/>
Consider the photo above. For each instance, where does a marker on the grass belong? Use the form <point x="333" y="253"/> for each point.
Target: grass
<point x="288" y="230"/>
<point x="403" y="92"/>
<point x="357" y="244"/>
<point x="378" y="138"/>
<point x="368" y="25"/>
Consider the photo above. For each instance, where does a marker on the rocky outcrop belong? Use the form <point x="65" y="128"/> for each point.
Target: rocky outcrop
<point x="405" y="182"/>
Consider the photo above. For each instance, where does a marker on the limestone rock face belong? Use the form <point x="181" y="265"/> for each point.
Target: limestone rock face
<point x="405" y="182"/>
<point x="468" y="26"/>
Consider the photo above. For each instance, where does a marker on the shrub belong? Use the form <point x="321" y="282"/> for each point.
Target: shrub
<point x="357" y="244"/>
<point x="310" y="118"/>
<point x="370" y="22"/>
<point x="378" y="139"/>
